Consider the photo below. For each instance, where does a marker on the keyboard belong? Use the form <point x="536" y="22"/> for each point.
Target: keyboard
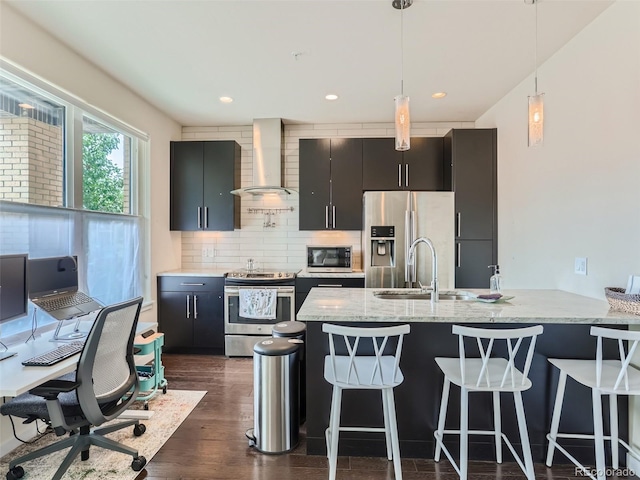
<point x="54" y="356"/>
<point x="53" y="304"/>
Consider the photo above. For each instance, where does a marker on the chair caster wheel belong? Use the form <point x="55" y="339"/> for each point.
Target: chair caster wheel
<point x="15" y="473"/>
<point x="164" y="390"/>
<point x="138" y="463"/>
<point x="84" y="455"/>
<point x="146" y="405"/>
<point x="139" y="430"/>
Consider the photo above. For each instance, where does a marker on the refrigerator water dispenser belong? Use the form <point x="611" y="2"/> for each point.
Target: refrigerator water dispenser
<point x="382" y="247"/>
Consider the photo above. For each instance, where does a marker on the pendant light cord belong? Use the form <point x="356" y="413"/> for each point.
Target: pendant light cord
<point x="536" y="49"/>
<point x="402" y="47"/>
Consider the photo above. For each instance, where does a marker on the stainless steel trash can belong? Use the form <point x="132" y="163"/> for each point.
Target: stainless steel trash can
<point x="276" y="418"/>
<point x="294" y="329"/>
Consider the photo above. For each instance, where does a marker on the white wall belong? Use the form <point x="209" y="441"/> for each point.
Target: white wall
<point x="282" y="246"/>
<point x="579" y="194"/>
<point x="25" y="44"/>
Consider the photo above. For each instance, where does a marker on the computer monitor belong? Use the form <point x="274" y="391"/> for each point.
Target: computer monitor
<point x="13" y="290"/>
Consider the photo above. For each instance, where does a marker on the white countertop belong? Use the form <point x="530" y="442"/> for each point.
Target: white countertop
<point x="527" y="306"/>
<point x="219" y="272"/>
<point x="355" y="274"/>
<point x="196" y="272"/>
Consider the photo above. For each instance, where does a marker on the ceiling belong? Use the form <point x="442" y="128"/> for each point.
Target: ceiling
<point x="280" y="58"/>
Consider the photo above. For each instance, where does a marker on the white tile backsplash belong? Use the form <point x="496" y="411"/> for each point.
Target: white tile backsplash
<point x="282" y="246"/>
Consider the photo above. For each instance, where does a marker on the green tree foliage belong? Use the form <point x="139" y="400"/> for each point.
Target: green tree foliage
<point x="103" y="185"/>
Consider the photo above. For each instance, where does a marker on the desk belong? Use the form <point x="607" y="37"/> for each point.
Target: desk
<point x="15" y="378"/>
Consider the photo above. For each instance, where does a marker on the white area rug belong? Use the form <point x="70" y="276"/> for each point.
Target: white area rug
<point x="169" y="411"/>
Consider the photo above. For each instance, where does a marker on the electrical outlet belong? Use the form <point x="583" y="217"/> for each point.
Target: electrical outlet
<point x="208" y="252"/>
<point x="580" y="267"/>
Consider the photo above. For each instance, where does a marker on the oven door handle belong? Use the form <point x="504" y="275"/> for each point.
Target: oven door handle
<point x="282" y="291"/>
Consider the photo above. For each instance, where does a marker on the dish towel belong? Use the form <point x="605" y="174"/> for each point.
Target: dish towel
<point x="258" y="303"/>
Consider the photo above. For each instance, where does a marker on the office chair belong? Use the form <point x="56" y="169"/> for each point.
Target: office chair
<point x="104" y="384"/>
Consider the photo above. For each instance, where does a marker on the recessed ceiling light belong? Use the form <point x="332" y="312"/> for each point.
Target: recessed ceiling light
<point x="331" y="96"/>
<point x="439" y="95"/>
<point x="25" y="105"/>
<point x="226" y="99"/>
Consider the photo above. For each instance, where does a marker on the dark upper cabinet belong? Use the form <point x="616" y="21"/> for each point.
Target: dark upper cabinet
<point x="473" y="178"/>
<point x="330" y="184"/>
<point x="315" y="185"/>
<point x="472" y="175"/>
<point x="419" y="168"/>
<point x="201" y="179"/>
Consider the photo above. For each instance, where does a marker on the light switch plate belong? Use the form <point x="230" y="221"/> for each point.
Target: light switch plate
<point x="580" y="266"/>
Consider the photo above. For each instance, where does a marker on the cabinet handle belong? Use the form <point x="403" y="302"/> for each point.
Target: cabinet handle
<point x="192" y="284"/>
<point x="195" y="306"/>
<point x="206" y="217"/>
<point x="407" y="244"/>
<point x="458" y="255"/>
<point x="406" y="174"/>
<point x="400" y="175"/>
<point x="333" y="217"/>
<point x="326" y="216"/>
<point x="188" y="311"/>
<point x="199" y="217"/>
<point x="458" y="223"/>
<point x="328" y="285"/>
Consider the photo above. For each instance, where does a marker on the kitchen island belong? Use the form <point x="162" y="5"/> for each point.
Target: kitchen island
<point x="566" y="317"/>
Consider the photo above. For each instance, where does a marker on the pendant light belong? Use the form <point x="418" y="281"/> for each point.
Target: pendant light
<point x="536" y="102"/>
<point x="402" y="118"/>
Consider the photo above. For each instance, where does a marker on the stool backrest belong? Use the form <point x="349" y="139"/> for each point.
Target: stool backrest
<point x="379" y="341"/>
<point x="513" y="337"/>
<point x="626" y="354"/>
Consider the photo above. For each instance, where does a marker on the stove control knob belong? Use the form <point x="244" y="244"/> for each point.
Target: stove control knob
<point x="280" y="274"/>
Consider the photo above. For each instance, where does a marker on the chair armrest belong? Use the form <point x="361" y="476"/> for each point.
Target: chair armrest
<point x="51" y="389"/>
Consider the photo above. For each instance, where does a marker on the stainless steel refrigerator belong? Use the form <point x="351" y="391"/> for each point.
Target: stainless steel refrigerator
<point x="392" y="221"/>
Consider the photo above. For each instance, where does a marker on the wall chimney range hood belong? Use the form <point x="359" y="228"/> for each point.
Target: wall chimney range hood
<point x="268" y="158"/>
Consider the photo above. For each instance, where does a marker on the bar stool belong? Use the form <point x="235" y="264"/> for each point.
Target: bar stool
<point x="376" y="369"/>
<point x="487" y="374"/>
<point x="603" y="377"/>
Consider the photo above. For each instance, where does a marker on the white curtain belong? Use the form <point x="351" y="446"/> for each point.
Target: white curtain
<point x="107" y="246"/>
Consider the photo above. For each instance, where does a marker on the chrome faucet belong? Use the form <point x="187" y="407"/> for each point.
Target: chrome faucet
<point x="434" y="265"/>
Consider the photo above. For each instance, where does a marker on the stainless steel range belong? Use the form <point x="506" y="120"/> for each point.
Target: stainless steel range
<point x="242" y="333"/>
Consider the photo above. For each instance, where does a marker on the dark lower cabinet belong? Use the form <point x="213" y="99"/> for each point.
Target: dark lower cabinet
<point x="191" y="313"/>
<point x="305" y="284"/>
<point x="418" y="398"/>
<point x="472" y="260"/>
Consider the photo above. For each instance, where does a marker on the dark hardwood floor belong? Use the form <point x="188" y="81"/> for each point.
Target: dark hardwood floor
<point x="211" y="442"/>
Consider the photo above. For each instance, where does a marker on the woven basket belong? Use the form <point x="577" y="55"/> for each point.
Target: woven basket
<point x="618" y="300"/>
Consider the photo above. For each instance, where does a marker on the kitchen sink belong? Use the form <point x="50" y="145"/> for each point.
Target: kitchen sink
<point x="419" y="295"/>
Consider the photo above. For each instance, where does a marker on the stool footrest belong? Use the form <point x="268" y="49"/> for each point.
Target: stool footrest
<point x="361" y="429"/>
<point x="438" y="438"/>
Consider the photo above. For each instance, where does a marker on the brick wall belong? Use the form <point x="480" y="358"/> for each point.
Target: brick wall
<point x="282" y="246"/>
<point x="31" y="165"/>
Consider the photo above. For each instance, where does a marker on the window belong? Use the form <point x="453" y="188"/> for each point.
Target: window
<point x="68" y="186"/>
<point x="32" y="128"/>
<point x="106" y="168"/>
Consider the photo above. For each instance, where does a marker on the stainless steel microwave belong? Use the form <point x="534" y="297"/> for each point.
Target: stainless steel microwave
<point x="329" y="258"/>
